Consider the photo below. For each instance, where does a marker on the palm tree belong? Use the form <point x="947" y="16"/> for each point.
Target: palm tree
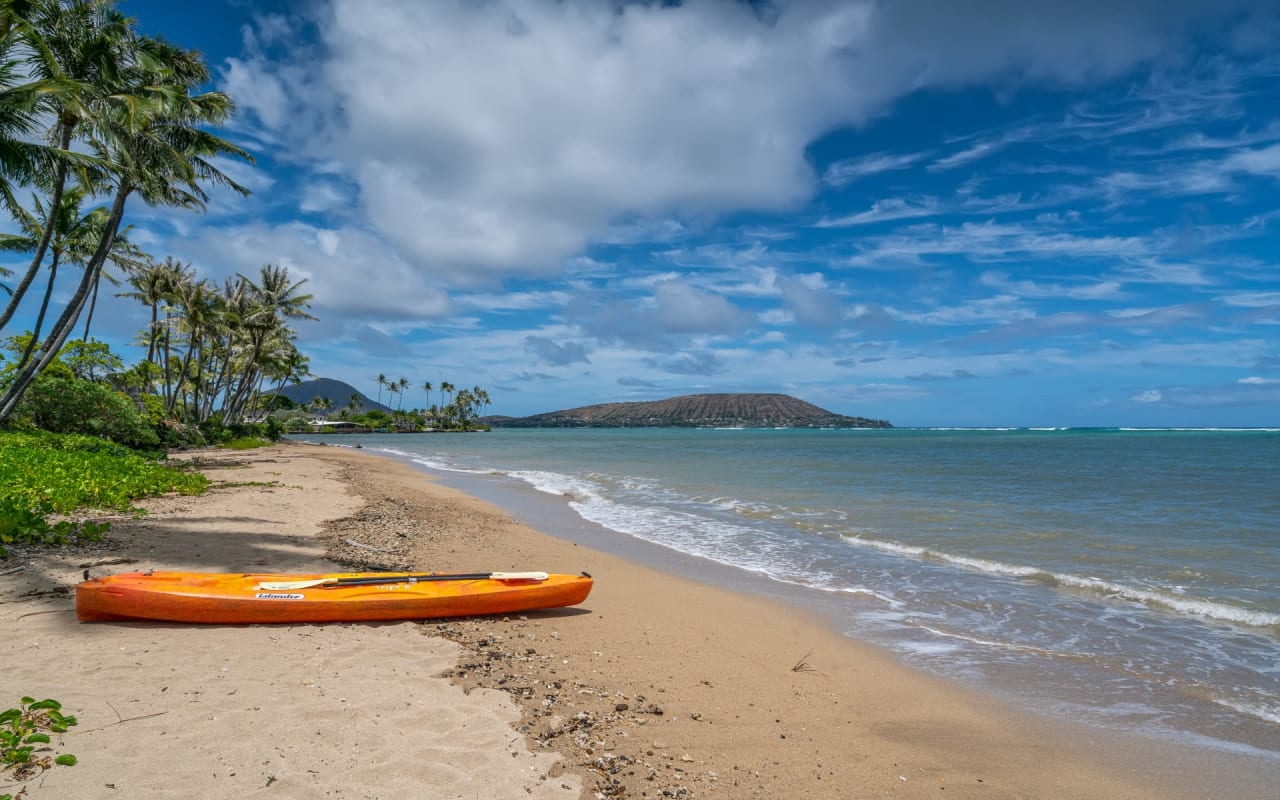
<point x="199" y="314"/>
<point x="74" y="54"/>
<point x="445" y="386"/>
<point x="292" y="369"/>
<point x="74" y="239"/>
<point x="175" y="282"/>
<point x="150" y="282"/>
<point x="156" y="145"/>
<point x="427" y="387"/>
<point x="382" y="381"/>
<point x="23" y="99"/>
<point x="261" y="310"/>
<point x="402" y="385"/>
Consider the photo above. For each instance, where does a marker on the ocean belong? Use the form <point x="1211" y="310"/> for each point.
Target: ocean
<point x="1123" y="578"/>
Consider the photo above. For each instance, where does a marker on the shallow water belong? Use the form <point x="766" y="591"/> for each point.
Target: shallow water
<point x="1122" y="577"/>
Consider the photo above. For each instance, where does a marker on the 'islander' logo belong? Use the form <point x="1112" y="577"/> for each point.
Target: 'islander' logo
<point x="278" y="596"/>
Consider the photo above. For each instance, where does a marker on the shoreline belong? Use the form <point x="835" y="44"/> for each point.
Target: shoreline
<point x="635" y="601"/>
<point x="656" y="686"/>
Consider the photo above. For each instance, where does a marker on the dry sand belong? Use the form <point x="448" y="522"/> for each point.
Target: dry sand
<point x="655" y="687"/>
<point x="307" y="711"/>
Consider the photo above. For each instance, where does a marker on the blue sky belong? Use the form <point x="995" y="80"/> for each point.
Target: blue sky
<point x="982" y="213"/>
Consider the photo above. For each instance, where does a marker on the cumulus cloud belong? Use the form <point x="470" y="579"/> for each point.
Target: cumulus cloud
<point x="685" y="310"/>
<point x="496" y="139"/>
<point x="811" y="301"/>
<point x="347" y="269"/>
<point x="636" y="383"/>
<point x="554" y="354"/>
<point x="701" y="363"/>
<point x="1149" y="396"/>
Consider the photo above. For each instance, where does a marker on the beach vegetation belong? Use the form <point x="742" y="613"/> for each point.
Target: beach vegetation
<point x="247" y="443"/>
<point x="24" y="736"/>
<point x="43" y="475"/>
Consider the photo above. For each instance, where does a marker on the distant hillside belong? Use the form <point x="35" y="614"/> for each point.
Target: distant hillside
<point x="337" y="392"/>
<point x="696" y="411"/>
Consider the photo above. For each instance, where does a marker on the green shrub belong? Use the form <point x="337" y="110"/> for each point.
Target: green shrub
<point x="180" y="435"/>
<point x="66" y="404"/>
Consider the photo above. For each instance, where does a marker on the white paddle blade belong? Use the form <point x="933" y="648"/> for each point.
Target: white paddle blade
<point x="284" y="586"/>
<point x="518" y="576"/>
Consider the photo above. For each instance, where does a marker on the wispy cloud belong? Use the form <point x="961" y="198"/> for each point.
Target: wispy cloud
<point x="1084" y="288"/>
<point x="846" y="171"/>
<point x="887" y="210"/>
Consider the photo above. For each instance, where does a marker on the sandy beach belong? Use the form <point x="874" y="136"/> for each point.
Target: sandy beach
<point x="655" y="687"/>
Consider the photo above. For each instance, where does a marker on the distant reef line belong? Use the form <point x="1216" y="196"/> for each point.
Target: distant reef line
<point x="743" y="410"/>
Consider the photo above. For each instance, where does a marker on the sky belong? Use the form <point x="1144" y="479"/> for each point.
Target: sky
<point x="994" y="212"/>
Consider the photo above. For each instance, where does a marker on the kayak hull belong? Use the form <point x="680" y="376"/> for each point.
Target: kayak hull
<point x="229" y="599"/>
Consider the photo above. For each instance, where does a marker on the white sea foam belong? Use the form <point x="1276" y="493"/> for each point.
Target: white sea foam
<point x="1024" y="648"/>
<point x="1198" y="607"/>
<point x="1170" y="599"/>
<point x="1270" y="713"/>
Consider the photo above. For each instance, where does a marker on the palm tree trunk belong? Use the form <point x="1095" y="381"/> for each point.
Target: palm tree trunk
<point x="182" y="373"/>
<point x="62" y="329"/>
<point x="155" y="331"/>
<point x="93" y="303"/>
<point x="169" y="389"/>
<point x="44" y="307"/>
<point x="55" y="204"/>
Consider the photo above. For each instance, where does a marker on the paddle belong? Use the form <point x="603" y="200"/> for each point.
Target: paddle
<point x="280" y="586"/>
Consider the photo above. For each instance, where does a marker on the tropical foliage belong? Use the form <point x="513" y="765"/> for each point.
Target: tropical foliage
<point x="43" y="474"/>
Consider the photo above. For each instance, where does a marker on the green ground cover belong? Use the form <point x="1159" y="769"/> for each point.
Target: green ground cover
<point x="45" y="474"/>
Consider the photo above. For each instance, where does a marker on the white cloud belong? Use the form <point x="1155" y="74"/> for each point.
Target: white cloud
<point x="811" y="301"/>
<point x="1259" y="161"/>
<point x="846" y="171"/>
<point x="1083" y="289"/>
<point x="1252" y="299"/>
<point x="683" y="309"/>
<point x="497" y="139"/>
<point x="889" y="209"/>
<point x="1149" y="396"/>
<point x="348" y="270"/>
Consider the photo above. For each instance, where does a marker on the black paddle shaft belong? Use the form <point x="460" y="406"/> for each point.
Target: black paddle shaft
<point x="468" y="576"/>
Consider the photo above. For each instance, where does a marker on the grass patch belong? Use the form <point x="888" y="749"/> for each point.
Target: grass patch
<point x="247" y="443"/>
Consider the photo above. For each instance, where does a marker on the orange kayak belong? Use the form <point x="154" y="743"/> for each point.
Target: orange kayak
<point x="338" y="597"/>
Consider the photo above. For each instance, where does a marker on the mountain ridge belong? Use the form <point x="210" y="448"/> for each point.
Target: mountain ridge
<point x="743" y="409"/>
<point x="339" y="392"/>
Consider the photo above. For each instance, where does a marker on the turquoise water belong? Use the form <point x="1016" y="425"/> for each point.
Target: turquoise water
<point x="1123" y="577"/>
